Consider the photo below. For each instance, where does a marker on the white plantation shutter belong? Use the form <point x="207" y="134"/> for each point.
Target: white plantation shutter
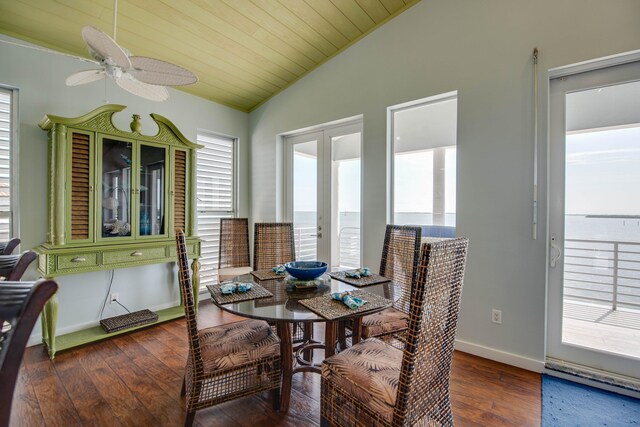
<point x="215" y="197"/>
<point x="6" y="134"/>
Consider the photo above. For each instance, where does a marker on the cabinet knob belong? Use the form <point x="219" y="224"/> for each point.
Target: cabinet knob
<point x="78" y="259"/>
<point x="136" y="253"/>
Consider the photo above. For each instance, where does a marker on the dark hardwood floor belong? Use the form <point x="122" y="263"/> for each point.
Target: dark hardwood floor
<point x="135" y="379"/>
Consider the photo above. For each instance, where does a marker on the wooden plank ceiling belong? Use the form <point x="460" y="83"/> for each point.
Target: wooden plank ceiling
<point x="243" y="51"/>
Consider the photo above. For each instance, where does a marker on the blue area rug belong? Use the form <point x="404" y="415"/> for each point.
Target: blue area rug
<point x="565" y="403"/>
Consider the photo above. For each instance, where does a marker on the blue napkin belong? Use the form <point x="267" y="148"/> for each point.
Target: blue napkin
<point x="348" y="299"/>
<point x="229" y="288"/>
<point x="356" y="274"/>
<point x="279" y="269"/>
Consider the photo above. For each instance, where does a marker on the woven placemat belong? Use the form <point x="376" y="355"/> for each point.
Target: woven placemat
<point x="331" y="309"/>
<point x="267" y="274"/>
<point x="255" y="292"/>
<point x="372" y="279"/>
<point x="125" y="321"/>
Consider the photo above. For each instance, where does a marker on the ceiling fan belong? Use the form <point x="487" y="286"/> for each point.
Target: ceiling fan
<point x="140" y="75"/>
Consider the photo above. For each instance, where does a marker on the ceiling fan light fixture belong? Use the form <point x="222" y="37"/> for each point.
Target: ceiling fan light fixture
<point x="140" y="75"/>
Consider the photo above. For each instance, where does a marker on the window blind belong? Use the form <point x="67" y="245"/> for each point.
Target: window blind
<point x="5" y="164"/>
<point x="215" y="197"/>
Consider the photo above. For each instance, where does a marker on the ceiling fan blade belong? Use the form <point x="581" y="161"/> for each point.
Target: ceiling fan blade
<point x="144" y="90"/>
<point x="157" y="72"/>
<point x="103" y="47"/>
<point x="84" y="77"/>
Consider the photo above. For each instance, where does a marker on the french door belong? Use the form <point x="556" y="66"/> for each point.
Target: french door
<point x="594" y="222"/>
<point x="323" y="171"/>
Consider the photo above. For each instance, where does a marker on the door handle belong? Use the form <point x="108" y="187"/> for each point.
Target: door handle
<point x="554" y="247"/>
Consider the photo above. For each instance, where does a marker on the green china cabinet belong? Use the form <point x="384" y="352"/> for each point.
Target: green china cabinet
<point x="115" y="199"/>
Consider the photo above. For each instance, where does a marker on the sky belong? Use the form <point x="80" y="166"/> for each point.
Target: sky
<point x="603" y="172"/>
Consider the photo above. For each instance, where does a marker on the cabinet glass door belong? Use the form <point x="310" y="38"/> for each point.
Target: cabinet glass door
<point x="116" y="188"/>
<point x="152" y="190"/>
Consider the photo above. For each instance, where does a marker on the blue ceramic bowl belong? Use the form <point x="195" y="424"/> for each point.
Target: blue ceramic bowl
<point x="306" y="270"/>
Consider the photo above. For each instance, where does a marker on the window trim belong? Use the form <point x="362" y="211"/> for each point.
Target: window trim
<point x="391" y="110"/>
<point x="14" y="150"/>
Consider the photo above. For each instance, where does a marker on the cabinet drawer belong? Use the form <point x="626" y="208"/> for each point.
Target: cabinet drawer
<point x="133" y="255"/>
<point x="77" y="261"/>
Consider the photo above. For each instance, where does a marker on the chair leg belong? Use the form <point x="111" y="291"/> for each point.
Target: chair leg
<point x="275" y="399"/>
<point x="188" y="422"/>
<point x="183" y="390"/>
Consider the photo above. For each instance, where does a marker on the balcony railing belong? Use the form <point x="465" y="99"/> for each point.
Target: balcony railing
<point x="602" y="272"/>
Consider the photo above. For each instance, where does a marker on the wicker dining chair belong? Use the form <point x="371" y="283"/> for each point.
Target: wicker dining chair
<point x="273" y="244"/>
<point x="228" y="361"/>
<point x="399" y="262"/>
<point x="233" y="251"/>
<point x="20" y="305"/>
<point x="12" y="267"/>
<point x="375" y="384"/>
<point x="6" y="248"/>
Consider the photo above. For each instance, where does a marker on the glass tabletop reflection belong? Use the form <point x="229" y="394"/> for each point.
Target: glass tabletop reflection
<point x="285" y="302"/>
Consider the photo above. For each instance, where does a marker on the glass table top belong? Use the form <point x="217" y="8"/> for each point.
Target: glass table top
<point x="285" y="302"/>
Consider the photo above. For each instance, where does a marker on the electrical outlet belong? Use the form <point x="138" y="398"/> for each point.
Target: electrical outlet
<point x="496" y="316"/>
<point x="114" y="297"/>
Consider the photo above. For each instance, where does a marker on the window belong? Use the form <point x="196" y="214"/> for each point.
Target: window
<point x="8" y="163"/>
<point x="215" y="197"/>
<point x="424" y="161"/>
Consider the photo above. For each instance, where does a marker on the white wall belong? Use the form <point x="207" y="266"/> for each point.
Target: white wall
<point x="40" y="79"/>
<point x="482" y="49"/>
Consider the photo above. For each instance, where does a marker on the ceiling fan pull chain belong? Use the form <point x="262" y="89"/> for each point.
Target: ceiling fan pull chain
<point x="115" y="14"/>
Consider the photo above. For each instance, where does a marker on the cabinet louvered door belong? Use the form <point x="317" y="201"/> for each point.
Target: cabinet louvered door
<point x="180" y="190"/>
<point x="81" y="195"/>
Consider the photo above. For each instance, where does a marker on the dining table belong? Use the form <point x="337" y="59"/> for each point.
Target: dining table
<point x="286" y="307"/>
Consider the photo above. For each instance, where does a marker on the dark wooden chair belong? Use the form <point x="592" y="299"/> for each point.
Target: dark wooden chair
<point x="228" y="361"/>
<point x="273" y="244"/>
<point x="20" y="305"/>
<point x="376" y="384"/>
<point x="399" y="262"/>
<point x="234" y="258"/>
<point x="6" y="248"/>
<point x="12" y="267"/>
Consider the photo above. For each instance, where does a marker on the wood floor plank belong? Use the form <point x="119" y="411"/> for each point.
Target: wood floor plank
<point x="92" y="408"/>
<point x="160" y="404"/>
<point x="124" y="403"/>
<point x="55" y="404"/>
<point x="135" y="379"/>
<point x="25" y="408"/>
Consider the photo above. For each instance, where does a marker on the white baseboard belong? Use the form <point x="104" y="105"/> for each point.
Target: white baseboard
<point x="36" y="338"/>
<point x="500" y="356"/>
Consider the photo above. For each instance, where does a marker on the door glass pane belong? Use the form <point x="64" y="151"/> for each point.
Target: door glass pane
<point x="116" y="188"/>
<point x="345" y="201"/>
<point x="305" y="200"/>
<point x="152" y="161"/>
<point x="601" y="285"/>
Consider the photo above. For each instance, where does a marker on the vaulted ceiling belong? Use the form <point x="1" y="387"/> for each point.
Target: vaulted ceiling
<point x="243" y="51"/>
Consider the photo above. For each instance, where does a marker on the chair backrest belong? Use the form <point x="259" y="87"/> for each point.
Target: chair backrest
<point x="234" y="243"/>
<point x="12" y="267"/>
<point x="186" y="290"/>
<point x="20" y="305"/>
<point x="399" y="261"/>
<point x="423" y="393"/>
<point x="273" y="244"/>
<point x="6" y="248"/>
